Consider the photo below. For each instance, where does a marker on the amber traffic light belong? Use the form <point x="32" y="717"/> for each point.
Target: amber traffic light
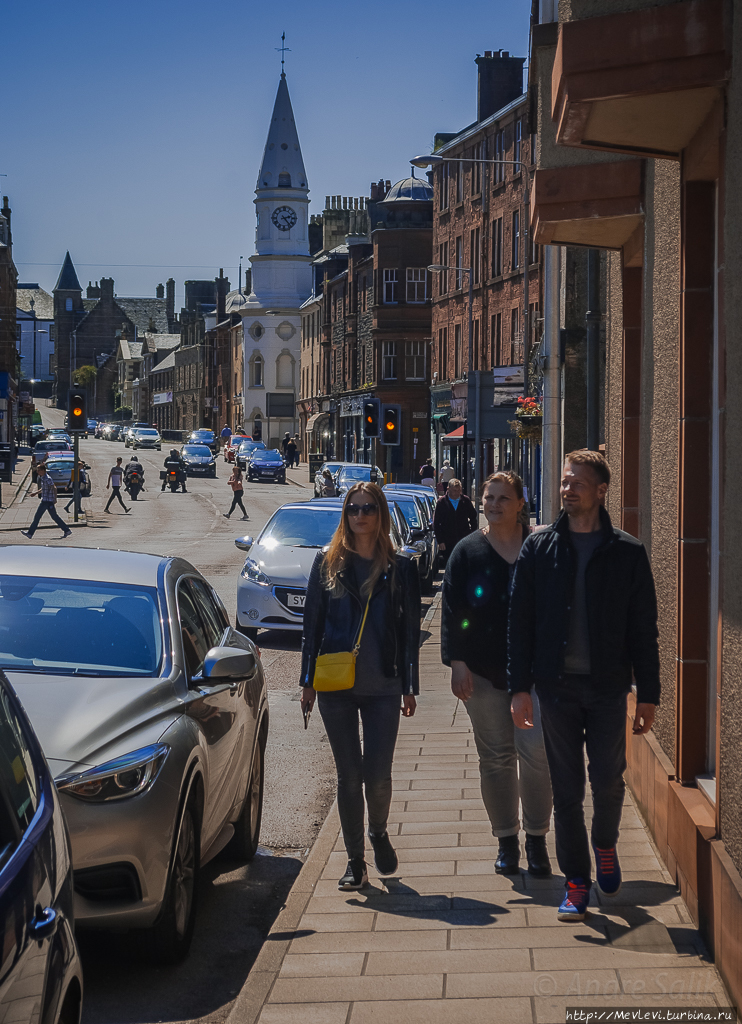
<point x="371" y="417"/>
<point x="391" y="421"/>
<point x="77" y="410"/>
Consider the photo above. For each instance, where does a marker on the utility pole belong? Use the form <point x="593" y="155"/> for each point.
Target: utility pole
<point x="551" y="469"/>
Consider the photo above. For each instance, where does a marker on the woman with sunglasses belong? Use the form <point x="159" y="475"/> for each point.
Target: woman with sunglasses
<point x="361" y="571"/>
<point x="474" y="625"/>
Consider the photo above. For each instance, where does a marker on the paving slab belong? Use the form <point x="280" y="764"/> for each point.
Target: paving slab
<point x="445" y="939"/>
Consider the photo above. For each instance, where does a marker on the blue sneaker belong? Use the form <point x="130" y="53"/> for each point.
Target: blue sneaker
<point x="607" y="871"/>
<point x="575" y="901"/>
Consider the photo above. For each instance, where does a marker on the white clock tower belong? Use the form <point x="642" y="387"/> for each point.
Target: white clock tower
<point x="281" y="281"/>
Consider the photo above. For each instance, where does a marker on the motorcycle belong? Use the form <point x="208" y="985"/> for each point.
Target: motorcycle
<point x="171" y="478"/>
<point x="135" y="482"/>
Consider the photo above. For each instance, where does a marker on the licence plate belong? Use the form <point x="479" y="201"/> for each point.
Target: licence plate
<point x="295" y="600"/>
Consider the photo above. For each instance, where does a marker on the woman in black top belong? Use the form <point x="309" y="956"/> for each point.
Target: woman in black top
<point x="361" y="561"/>
<point x="512" y="762"/>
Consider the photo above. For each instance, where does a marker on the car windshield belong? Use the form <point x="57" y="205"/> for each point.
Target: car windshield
<point x="332" y="466"/>
<point x="270" y="456"/>
<point x="247" y="446"/>
<point x="410" y="511"/>
<point x="196" y="449"/>
<point x="203" y="434"/>
<point x="300" y="528"/>
<point x="59" y="465"/>
<point x="147" y="433"/>
<point x="76" y="627"/>
<point x="356" y="473"/>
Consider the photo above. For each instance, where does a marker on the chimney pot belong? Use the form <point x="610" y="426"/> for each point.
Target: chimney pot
<point x="499" y="81"/>
<point x="327" y="202"/>
<point x="488" y="53"/>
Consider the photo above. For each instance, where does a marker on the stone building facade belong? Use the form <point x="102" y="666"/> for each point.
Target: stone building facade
<point x="366" y="331"/>
<point x="638" y="113"/>
<point x="9" y="371"/>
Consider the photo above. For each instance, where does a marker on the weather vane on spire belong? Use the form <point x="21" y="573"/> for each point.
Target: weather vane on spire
<point x="283" y="49"/>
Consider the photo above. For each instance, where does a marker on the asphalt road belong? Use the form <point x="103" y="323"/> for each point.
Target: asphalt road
<point x="237" y="903"/>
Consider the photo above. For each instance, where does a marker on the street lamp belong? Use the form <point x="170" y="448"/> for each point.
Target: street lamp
<point x="434" y="160"/>
<point x="439" y="268"/>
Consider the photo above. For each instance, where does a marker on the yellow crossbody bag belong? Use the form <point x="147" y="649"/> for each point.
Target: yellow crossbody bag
<point x="338" y="671"/>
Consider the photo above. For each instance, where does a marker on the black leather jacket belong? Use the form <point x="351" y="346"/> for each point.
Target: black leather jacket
<point x="331" y="624"/>
<point x="621" y="612"/>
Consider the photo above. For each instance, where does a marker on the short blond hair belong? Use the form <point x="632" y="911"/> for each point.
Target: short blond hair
<point x="596" y="460"/>
<point x="453" y="482"/>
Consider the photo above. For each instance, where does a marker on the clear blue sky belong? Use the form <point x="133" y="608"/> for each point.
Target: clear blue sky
<point x="134" y="131"/>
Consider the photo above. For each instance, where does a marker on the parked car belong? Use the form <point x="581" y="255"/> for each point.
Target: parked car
<point x="43" y="449"/>
<point x="232" y="445"/>
<point x="57" y="434"/>
<point x="59" y="466"/>
<point x="356" y="472"/>
<point x="152" y="711"/>
<point x="266" y="464"/>
<point x="334" y="468"/>
<point x="204" y="436"/>
<point x="272" y="587"/>
<point x="92" y="424"/>
<point x="199" y="460"/>
<point x="40" y="971"/>
<point x="244" y="452"/>
<point x="36" y="432"/>
<point x="146" y="437"/>
<point x="421" y="534"/>
<point x="113" y="432"/>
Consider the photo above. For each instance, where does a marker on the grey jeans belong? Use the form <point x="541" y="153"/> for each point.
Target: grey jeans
<point x="512" y="763"/>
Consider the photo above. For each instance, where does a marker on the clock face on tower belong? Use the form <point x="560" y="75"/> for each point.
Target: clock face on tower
<point x="284" y="218"/>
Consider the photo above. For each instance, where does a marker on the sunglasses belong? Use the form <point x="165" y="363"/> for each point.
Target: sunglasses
<point x="369" y="509"/>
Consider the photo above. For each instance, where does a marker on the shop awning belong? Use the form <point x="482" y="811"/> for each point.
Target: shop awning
<point x="313" y="419"/>
<point x="440" y="415"/>
<point x="455" y="435"/>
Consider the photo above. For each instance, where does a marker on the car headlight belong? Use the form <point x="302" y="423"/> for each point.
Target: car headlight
<point x="252" y="571"/>
<point x="123" y="777"/>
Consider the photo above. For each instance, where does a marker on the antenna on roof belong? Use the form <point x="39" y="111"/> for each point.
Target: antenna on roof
<point x="283" y="49"/>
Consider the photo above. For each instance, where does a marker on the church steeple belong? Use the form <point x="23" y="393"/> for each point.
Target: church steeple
<point x="283" y="166"/>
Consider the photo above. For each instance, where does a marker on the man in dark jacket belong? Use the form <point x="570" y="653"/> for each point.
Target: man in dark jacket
<point x="583" y="617"/>
<point x="454" y="518"/>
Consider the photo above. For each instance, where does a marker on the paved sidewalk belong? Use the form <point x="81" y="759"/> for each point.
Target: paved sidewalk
<point x="447" y="940"/>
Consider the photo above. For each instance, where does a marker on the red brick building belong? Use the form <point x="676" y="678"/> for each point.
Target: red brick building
<point x="479" y="223"/>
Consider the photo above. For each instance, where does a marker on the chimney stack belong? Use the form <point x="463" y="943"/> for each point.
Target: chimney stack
<point x="500" y="81"/>
<point x="170" y="299"/>
<point x="106" y="288"/>
<point x="160" y="291"/>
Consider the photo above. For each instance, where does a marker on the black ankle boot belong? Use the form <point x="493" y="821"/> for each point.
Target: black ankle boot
<point x="508" y="856"/>
<point x="537" y="856"/>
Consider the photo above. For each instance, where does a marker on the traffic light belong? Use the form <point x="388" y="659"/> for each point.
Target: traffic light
<point x="391" y="424"/>
<point x="371" y="417"/>
<point x="77" y="410"/>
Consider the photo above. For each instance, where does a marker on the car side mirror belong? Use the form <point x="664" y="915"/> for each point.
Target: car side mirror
<point x="228" y="663"/>
<point x="374" y="476"/>
<point x="243" y="543"/>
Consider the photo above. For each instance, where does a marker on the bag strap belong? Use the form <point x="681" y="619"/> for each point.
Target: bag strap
<point x="357" y="644"/>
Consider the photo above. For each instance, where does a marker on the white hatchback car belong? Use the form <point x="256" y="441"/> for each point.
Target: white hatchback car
<point x="273" y="582"/>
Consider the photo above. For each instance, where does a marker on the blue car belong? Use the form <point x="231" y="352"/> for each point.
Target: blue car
<point x="267" y="465"/>
<point x="40" y="971"/>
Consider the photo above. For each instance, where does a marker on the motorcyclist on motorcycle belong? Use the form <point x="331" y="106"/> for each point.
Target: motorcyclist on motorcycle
<point x="134" y="477"/>
<point x="175" y="461"/>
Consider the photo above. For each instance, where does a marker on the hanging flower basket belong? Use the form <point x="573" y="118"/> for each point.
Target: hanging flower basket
<point x="528" y="419"/>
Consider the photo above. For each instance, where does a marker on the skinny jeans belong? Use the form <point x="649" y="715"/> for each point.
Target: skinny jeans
<point x="577" y="718"/>
<point x="115" y="494"/>
<point x="513" y="768"/>
<point x="361" y="767"/>
<point x="237" y="500"/>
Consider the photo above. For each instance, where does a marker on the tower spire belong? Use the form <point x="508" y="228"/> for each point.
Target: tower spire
<point x="282" y="166"/>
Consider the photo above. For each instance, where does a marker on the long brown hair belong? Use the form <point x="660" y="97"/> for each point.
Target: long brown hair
<point x="342" y="544"/>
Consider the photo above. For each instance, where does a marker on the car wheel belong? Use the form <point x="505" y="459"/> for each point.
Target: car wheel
<point x="426" y="583"/>
<point x="170" y="937"/>
<point x="244" y="843"/>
